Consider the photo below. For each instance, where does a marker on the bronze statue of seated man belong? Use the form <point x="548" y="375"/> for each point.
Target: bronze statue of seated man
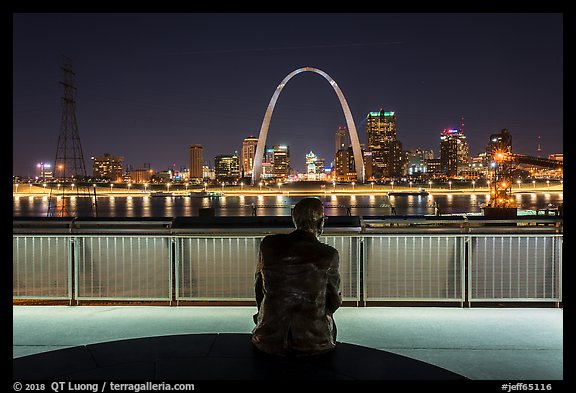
<point x="297" y="287"/>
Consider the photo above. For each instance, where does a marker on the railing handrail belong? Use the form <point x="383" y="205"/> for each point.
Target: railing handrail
<point x="268" y="224"/>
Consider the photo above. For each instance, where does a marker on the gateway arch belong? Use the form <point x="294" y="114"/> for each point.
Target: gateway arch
<point x="358" y="161"/>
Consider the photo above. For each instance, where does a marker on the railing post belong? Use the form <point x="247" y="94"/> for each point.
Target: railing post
<point x="72" y="279"/>
<point x="173" y="275"/>
<point x="466" y="268"/>
<point x="559" y="276"/>
<point x="361" y="280"/>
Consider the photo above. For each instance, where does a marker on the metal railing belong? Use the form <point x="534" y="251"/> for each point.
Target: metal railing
<point x="393" y="265"/>
<point x="414" y="268"/>
<point x="515" y="267"/>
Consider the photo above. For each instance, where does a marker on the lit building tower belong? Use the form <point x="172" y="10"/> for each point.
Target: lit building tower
<point x="196" y="162"/>
<point x="501" y="142"/>
<point x="227" y="168"/>
<point x="454" y="152"/>
<point x="386" y="149"/>
<point x="107" y="167"/>
<point x="69" y="163"/>
<point x="248" y="151"/>
<point x="449" y="151"/>
<point x="417" y="161"/>
<point x="269" y="155"/>
<point x="342" y="138"/>
<point x="345" y="168"/>
<point x="281" y="168"/>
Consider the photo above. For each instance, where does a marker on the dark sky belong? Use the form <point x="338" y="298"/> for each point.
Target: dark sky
<point x="151" y="84"/>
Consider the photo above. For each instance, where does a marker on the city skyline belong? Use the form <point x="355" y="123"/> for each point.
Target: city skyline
<point x="150" y="85"/>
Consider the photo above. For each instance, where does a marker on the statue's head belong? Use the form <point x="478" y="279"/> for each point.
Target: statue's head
<point x="308" y="215"/>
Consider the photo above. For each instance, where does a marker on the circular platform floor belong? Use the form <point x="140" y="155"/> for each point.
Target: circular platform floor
<point x="196" y="357"/>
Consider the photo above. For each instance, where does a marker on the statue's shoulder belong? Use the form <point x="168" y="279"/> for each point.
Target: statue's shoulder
<point x="275" y="238"/>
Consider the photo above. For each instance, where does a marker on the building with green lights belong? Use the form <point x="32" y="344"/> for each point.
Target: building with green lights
<point x="387" y="158"/>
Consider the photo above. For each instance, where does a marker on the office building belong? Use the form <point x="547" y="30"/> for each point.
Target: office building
<point x="342" y="138"/>
<point x="386" y="149"/>
<point x="227" y="168"/>
<point x="454" y="152"/>
<point x="417" y="161"/>
<point x="249" y="145"/>
<point x="281" y="162"/>
<point x="107" y="167"/>
<point x="501" y="142"/>
<point x="196" y="163"/>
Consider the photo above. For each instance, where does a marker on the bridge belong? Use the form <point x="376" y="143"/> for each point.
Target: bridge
<point x="536" y="161"/>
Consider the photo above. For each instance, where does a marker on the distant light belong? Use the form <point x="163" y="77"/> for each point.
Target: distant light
<point x="450" y="131"/>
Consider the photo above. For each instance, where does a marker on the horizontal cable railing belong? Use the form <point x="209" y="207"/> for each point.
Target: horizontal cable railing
<point x="377" y="264"/>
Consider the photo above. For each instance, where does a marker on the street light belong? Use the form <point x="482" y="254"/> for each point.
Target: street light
<point x="430" y="184"/>
<point x="372" y="184"/>
<point x="260" y="184"/>
<point x="450" y="184"/>
<point x="333" y="186"/>
<point x="279" y="187"/>
<point x="410" y="183"/>
<point x="241" y="186"/>
<point x="534" y="184"/>
<point x="353" y="183"/>
<point x="168" y="187"/>
<point x="548" y="184"/>
<point x="111" y="185"/>
<point x="473" y="185"/>
<point x="222" y="186"/>
<point x="392" y="183"/>
<point x="519" y="184"/>
<point x="129" y="185"/>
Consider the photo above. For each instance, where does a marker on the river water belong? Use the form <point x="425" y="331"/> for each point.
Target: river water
<point x="278" y="205"/>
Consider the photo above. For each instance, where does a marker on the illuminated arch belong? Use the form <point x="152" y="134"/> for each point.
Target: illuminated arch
<point x="358" y="161"/>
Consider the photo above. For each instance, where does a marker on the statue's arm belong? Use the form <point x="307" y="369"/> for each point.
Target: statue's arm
<point x="333" y="295"/>
<point x="258" y="283"/>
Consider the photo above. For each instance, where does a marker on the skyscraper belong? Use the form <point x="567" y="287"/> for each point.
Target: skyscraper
<point x="501" y="141"/>
<point x="345" y="168"/>
<point x="227" y="168"/>
<point x="342" y="138"/>
<point x="448" y="152"/>
<point x="386" y="149"/>
<point x="196" y="162"/>
<point x="248" y="151"/>
<point x="454" y="152"/>
<point x="281" y="162"/>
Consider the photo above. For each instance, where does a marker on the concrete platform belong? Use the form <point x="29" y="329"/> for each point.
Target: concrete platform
<point x="476" y="343"/>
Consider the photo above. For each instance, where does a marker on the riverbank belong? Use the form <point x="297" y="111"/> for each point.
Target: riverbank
<point x="348" y="189"/>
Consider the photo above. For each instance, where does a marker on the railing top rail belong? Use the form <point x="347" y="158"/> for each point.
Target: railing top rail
<point x="275" y="224"/>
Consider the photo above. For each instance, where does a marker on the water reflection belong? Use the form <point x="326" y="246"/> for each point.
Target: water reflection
<point x="127" y="206"/>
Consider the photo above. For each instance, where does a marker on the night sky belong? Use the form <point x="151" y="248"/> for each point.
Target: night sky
<point x="149" y="85"/>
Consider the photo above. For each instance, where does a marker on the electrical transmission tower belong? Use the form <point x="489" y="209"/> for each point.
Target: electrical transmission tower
<point x="69" y="166"/>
